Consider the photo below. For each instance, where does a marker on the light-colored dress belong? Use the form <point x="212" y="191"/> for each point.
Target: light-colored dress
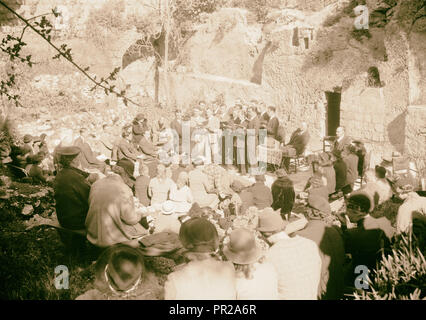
<point x="199" y="185"/>
<point x="159" y="189"/>
<point x="202" y="280"/>
<point x="298" y="264"/>
<point x="263" y="285"/>
<point x="182" y="198"/>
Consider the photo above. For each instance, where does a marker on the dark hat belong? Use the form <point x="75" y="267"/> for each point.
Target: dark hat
<point x="199" y="235"/>
<point x="28" y="138"/>
<point x="71" y="151"/>
<point x="361" y="201"/>
<point x="119" y="268"/>
<point x="380" y="171"/>
<point x="319" y="203"/>
<point x="127" y="165"/>
<point x="242" y="248"/>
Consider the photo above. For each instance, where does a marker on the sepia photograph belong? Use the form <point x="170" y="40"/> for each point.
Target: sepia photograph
<point x="213" y="150"/>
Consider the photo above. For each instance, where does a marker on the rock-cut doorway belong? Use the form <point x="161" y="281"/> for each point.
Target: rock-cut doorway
<point x="333" y="112"/>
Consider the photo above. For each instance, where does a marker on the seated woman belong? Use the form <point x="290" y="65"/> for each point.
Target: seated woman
<point x="120" y="274"/>
<point x="283" y="194"/>
<point x="141" y="186"/>
<point x="200" y="186"/>
<point x="317" y="184"/>
<point x="181" y="195"/>
<point x="160" y="186"/>
<point x="112" y="217"/>
<point x="204" y="277"/>
<point x="340" y="169"/>
<point x="125" y="169"/>
<point x="254" y="280"/>
<point x="328" y="171"/>
<point x="351" y="160"/>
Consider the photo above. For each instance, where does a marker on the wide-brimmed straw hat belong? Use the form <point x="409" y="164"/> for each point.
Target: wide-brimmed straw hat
<point x="242" y="248"/>
<point x="270" y="221"/>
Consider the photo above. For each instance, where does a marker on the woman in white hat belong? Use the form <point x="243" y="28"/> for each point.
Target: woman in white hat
<point x="255" y="280"/>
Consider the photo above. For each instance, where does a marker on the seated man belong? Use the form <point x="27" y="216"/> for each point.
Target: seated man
<point x="297" y="144"/>
<point x="71" y="190"/>
<point x="34" y="169"/>
<point x="87" y="157"/>
<point x="125" y="149"/>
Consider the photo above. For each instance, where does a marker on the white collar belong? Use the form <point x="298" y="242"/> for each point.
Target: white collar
<point x="278" y="236"/>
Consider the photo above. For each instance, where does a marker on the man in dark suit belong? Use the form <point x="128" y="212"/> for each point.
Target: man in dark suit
<point x="87" y="157"/>
<point x="71" y="190"/>
<point x="125" y="149"/>
<point x="263" y="113"/>
<point x="297" y="144"/>
<point x="273" y="123"/>
<point x="342" y="142"/>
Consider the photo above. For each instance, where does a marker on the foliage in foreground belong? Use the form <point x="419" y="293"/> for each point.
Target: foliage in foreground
<point x="401" y="275"/>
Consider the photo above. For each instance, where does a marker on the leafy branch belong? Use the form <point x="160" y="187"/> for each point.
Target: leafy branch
<point x="13" y="47"/>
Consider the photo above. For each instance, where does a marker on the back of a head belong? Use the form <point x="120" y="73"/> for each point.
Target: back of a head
<point x="199" y="235"/>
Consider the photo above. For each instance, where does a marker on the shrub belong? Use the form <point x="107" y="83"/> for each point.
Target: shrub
<point x="191" y="10"/>
<point x="400" y="275"/>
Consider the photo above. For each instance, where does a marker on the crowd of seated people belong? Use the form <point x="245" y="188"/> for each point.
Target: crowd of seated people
<point x="158" y="195"/>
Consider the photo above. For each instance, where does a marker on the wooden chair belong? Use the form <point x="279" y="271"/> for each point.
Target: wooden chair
<point x="296" y="160"/>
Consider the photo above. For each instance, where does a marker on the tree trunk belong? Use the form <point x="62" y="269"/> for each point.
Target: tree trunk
<point x="166" y="54"/>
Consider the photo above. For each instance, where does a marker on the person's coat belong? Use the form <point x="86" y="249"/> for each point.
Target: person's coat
<point x="332" y="252"/>
<point x="126" y="151"/>
<point x="87" y="157"/>
<point x="202" y="280"/>
<point x="141" y="190"/>
<point x="351" y="161"/>
<point x="272" y="127"/>
<point x="112" y="217"/>
<point x="147" y="147"/>
<point x="200" y="186"/>
<point x="71" y="197"/>
<point x="342" y="145"/>
<point x="340" y="170"/>
<point x="299" y="141"/>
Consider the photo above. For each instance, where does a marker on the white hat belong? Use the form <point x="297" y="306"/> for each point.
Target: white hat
<point x="168" y="207"/>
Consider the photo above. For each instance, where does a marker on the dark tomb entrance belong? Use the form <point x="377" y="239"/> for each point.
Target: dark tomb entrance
<point x="333" y="112"/>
